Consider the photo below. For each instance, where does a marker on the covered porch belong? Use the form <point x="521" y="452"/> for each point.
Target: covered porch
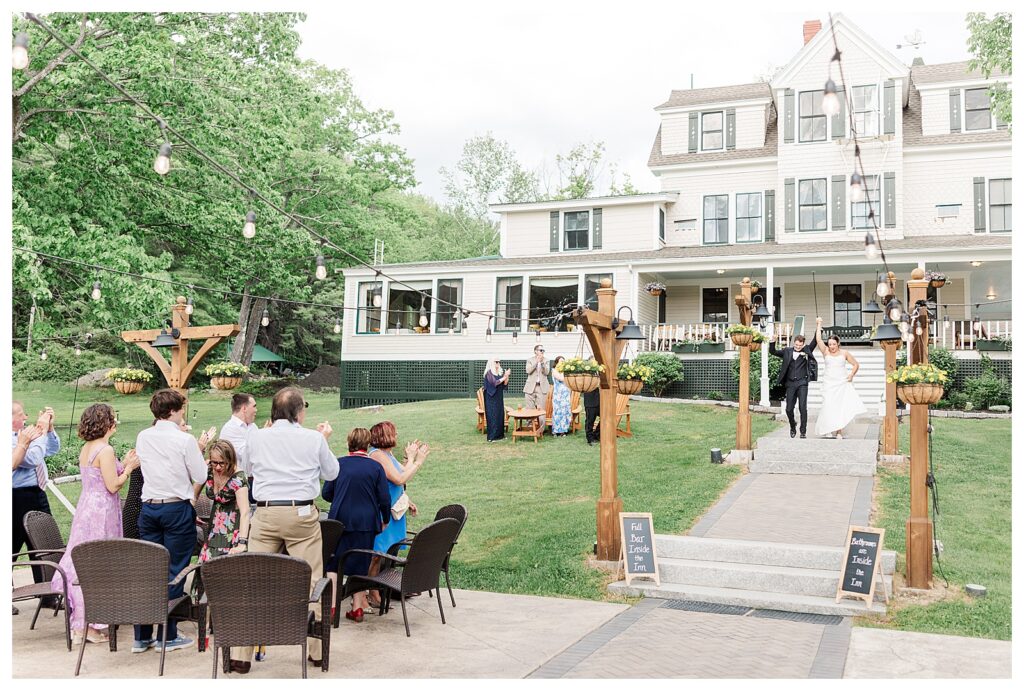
<point x="970" y="311"/>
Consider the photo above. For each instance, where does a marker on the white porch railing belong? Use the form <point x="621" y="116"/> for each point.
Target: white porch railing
<point x="964" y="334"/>
<point x="661" y="337"/>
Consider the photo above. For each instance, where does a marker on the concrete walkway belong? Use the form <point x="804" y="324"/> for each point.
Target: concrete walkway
<point x="878" y="653"/>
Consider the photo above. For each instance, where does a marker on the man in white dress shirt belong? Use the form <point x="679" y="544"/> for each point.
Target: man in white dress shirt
<point x="172" y="461"/>
<point x="236" y="430"/>
<point x="288" y="461"/>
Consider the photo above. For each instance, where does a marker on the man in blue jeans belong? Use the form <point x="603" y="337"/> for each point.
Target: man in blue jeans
<point x="171" y="460"/>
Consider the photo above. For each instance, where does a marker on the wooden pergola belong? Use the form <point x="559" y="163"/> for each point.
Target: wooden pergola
<point x="180" y="369"/>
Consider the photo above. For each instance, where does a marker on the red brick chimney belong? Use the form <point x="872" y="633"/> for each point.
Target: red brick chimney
<point x="811" y="29"/>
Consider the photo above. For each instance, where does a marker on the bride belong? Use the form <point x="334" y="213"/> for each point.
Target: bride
<point x="840" y="402"/>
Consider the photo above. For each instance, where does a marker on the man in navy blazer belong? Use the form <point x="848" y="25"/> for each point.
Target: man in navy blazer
<point x="798" y="369"/>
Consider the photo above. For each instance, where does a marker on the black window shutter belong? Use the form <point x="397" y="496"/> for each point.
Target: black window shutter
<point x="730" y="128"/>
<point x="596" y="240"/>
<point x="693" y="133"/>
<point x="954" y="110"/>
<point x="790" y="204"/>
<point x="838" y="202"/>
<point x="769" y="215"/>
<point x="889" y="200"/>
<point x="790" y="103"/>
<point x="979" y="205"/>
<point x="889" y="105"/>
<point x="839" y="119"/>
<point x="554" y="231"/>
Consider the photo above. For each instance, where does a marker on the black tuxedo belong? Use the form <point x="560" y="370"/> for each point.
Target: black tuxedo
<point x="592" y="404"/>
<point x="798" y="369"/>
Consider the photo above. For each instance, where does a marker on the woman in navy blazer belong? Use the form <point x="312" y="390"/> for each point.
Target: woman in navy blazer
<point x="360" y="500"/>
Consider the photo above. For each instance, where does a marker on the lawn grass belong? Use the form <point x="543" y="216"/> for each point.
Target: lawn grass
<point x="971" y="460"/>
<point x="532" y="507"/>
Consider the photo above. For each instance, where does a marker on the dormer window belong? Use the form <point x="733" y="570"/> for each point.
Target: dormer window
<point x="711" y="126"/>
<point x="812" y="116"/>
<point x="978" y="109"/>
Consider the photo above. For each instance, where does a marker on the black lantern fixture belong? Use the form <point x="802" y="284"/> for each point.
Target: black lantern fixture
<point x="166" y="340"/>
<point x="630" y="332"/>
<point x="887" y="331"/>
<point x="761" y="314"/>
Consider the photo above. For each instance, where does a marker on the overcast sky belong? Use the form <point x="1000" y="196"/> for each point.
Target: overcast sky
<point x="544" y="75"/>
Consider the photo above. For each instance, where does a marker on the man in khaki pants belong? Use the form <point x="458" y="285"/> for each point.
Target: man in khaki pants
<point x="536" y="387"/>
<point x="288" y="461"/>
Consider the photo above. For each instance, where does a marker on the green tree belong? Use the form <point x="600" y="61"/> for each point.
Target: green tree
<point x="488" y="172"/>
<point x="579" y="170"/>
<point x="991" y="44"/>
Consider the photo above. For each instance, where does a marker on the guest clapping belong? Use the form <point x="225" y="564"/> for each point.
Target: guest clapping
<point x="495" y="383"/>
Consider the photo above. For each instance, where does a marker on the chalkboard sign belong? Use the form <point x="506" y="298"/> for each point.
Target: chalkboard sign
<point x="862" y="568"/>
<point x="638" y="557"/>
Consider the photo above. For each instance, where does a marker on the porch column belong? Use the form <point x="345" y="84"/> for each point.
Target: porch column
<point x="769" y="299"/>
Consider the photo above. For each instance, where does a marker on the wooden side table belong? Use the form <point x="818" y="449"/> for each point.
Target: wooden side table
<point x="523" y="423"/>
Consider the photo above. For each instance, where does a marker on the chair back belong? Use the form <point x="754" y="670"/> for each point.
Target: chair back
<point x="204" y="510"/>
<point x="549" y="405"/>
<point x="123" y="581"/>
<point x="459" y="513"/>
<point x="480" y="398"/>
<point x="427" y="553"/>
<point x="574" y="400"/>
<point x="621" y="403"/>
<point x="257" y="598"/>
<point x="330" y="536"/>
<point x="42" y="533"/>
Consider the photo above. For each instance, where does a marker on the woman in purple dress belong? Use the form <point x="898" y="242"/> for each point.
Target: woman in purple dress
<point x="98" y="514"/>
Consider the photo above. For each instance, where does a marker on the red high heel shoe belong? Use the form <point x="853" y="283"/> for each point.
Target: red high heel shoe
<point x="355" y="615"/>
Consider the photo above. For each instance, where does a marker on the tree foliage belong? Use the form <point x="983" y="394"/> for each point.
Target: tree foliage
<point x="84" y="186"/>
<point x="488" y="172"/>
<point x="991" y="44"/>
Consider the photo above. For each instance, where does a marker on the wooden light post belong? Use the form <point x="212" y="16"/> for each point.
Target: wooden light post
<point x="919" y="525"/>
<point x="601" y="329"/>
<point x="181" y="368"/>
<point x="743" y="431"/>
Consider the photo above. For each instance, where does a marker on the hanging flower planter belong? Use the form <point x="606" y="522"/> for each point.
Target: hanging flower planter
<point x="226" y="375"/>
<point x="655" y="288"/>
<point x="584" y="383"/>
<point x="935" y="279"/>
<point x="630" y="378"/>
<point x="741" y="335"/>
<point x="920" y="394"/>
<point x="127" y="380"/>
<point x="629" y="387"/>
<point x="755" y="346"/>
<point x="225" y="383"/>
<point x="581" y="375"/>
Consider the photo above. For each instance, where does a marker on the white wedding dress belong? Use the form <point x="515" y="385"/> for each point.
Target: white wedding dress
<point x="840" y="403"/>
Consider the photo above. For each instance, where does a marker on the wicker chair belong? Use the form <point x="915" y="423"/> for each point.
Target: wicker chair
<point x="125" y="582"/>
<point x="459" y="513"/>
<point x="204" y="509"/>
<point x="263" y="599"/>
<point x="421" y="569"/>
<point x="43" y="590"/>
<point x="47" y="545"/>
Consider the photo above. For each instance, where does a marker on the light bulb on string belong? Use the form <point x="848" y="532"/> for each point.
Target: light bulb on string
<point x="904" y="336"/>
<point x="162" y="164"/>
<point x="870" y="247"/>
<point x="249" y="229"/>
<point x="376" y="299"/>
<point x="265" y="321"/>
<point x="830" y="101"/>
<point x="538" y="333"/>
<point x="337" y="325"/>
<point x="883" y="288"/>
<point x="903" y="326"/>
<point x="910" y="338"/>
<point x="919" y="331"/>
<point x="96" y="294"/>
<point x="78" y="350"/>
<point x="321" y="268"/>
<point x="189" y="306"/>
<point x="895" y="312"/>
<point x="515" y="337"/>
<point x="19" y="56"/>
<point x="42" y="355"/>
<point x="487" y="334"/>
<point x="856" y="187"/>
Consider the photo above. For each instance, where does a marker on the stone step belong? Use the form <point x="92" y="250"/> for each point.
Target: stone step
<point x="809" y="604"/>
<point x="772" y="579"/>
<point x="862" y="448"/>
<point x="756" y="552"/>
<point x="779" y="463"/>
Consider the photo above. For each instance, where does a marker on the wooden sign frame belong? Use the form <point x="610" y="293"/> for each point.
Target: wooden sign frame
<point x="876" y="574"/>
<point x="622" y="550"/>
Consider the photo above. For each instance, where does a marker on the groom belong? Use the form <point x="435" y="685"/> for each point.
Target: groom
<point x="798" y="369"/>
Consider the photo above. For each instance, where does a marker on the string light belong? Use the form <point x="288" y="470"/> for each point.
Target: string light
<point x="894" y="310"/>
<point x="856" y="187"/>
<point x="249" y="229"/>
<point x="830" y="101"/>
<point x="189" y="306"/>
<point x="162" y="164"/>
<point x="265" y="321"/>
<point x="376" y="299"/>
<point x="321" y="268"/>
<point x="337" y="325"/>
<point x="78" y="350"/>
<point x="19" y="56"/>
<point x="538" y="335"/>
<point x="883" y="288"/>
<point x="96" y="294"/>
<point x="487" y="334"/>
<point x="515" y="337"/>
<point x="910" y="338"/>
<point x="42" y="355"/>
<point x="919" y="331"/>
<point x="870" y="246"/>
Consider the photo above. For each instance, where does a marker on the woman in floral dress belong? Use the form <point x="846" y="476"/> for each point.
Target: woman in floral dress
<point x="561" y="415"/>
<point x="226" y="486"/>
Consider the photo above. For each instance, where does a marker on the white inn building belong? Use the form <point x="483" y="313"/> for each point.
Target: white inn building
<point x="754" y="182"/>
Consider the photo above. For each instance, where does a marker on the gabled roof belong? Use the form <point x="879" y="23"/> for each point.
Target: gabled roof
<point x="770" y="148"/>
<point x="845" y="31"/>
<point x="717" y="94"/>
<point x="948" y="72"/>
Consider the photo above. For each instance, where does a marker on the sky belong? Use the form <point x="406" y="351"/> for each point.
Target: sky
<point x="546" y="75"/>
